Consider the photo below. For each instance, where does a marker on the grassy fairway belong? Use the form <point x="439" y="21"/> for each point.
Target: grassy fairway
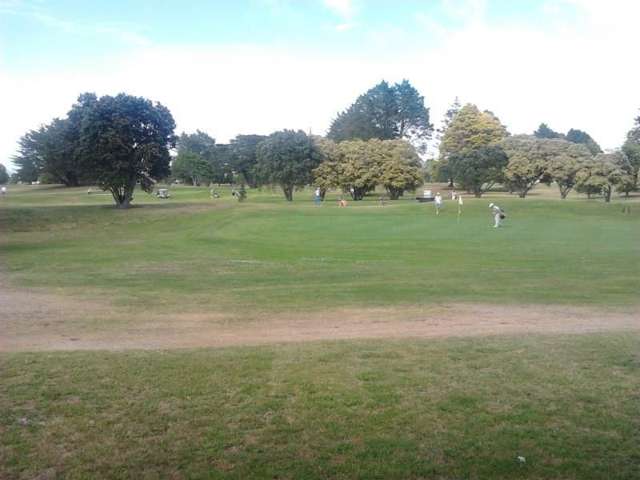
<point x="270" y="256"/>
<point x="401" y="409"/>
<point x="440" y="409"/>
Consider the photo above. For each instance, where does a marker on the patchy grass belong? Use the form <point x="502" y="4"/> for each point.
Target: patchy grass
<point x="395" y="409"/>
<point x="195" y="253"/>
<point x="443" y="409"/>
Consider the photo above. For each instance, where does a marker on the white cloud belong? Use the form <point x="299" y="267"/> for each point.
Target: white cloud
<point x="342" y="8"/>
<point x="343" y="27"/>
<point x="580" y="75"/>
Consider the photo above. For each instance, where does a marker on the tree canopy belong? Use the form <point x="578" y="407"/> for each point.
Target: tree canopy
<point x="196" y="159"/>
<point x="479" y="169"/>
<point x="385" y="112"/>
<point x="191" y="167"/>
<point x="4" y="175"/>
<point x="582" y="137"/>
<point x="544" y="131"/>
<point x="399" y="166"/>
<point x="29" y="159"/>
<point x="357" y="167"/>
<point x="631" y="148"/>
<point x="287" y="158"/>
<point x="54" y="150"/>
<point x="126" y="140"/>
<point x="471" y="129"/>
<point x="564" y="162"/>
<point x="243" y="152"/>
<point x="602" y="174"/>
<point x="528" y="161"/>
<point x="358" y="170"/>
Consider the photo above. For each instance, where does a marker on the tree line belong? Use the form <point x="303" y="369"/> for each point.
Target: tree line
<point x="477" y="152"/>
<point x="118" y="142"/>
<point x="123" y="141"/>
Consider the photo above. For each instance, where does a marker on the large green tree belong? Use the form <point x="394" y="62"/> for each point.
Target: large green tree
<point x="58" y="147"/>
<point x="582" y="137"/>
<point x="359" y="170"/>
<point x="29" y="161"/>
<point x="439" y="168"/>
<point x="544" y="131"/>
<point x="287" y="158"/>
<point x="398" y="166"/>
<point x="601" y="175"/>
<point x="126" y="141"/>
<point x="191" y="168"/>
<point x="199" y="143"/>
<point x="222" y="167"/>
<point x="469" y="130"/>
<point x="357" y="166"/>
<point x="631" y="148"/>
<point x="385" y="112"/>
<point x="4" y="175"/>
<point x="327" y="174"/>
<point x="244" y="150"/>
<point x="197" y="161"/>
<point x="565" y="161"/>
<point x="54" y="150"/>
<point x="479" y="169"/>
<point x="529" y="158"/>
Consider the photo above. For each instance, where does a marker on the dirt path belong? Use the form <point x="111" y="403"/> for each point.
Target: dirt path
<point x="36" y="321"/>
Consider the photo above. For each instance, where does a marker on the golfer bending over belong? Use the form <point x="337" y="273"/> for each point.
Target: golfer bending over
<point x="498" y="214"/>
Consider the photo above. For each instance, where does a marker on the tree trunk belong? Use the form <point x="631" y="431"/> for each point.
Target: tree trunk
<point x="477" y="194"/>
<point x="123" y="195"/>
<point x="288" y="192"/>
<point x="522" y="193"/>
<point x="564" y="192"/>
<point x="124" y="204"/>
<point x="607" y="194"/>
<point x="70" y="180"/>
<point x="394" y="193"/>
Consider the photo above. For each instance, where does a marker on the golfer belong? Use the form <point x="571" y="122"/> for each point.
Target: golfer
<point x="438" y="203"/>
<point x="498" y="214"/>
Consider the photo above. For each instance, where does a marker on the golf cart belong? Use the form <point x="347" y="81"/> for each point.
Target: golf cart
<point x="163" y="193"/>
<point x="427" y="196"/>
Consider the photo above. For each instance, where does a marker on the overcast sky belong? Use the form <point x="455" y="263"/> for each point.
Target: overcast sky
<point x="255" y="66"/>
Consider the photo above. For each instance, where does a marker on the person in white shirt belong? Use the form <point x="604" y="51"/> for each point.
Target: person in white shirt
<point x="438" y="203"/>
<point x="3" y="190"/>
<point x="498" y="214"/>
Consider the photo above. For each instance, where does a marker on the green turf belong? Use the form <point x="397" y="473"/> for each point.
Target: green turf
<point x="441" y="409"/>
<point x="193" y="252"/>
<point x="454" y="409"/>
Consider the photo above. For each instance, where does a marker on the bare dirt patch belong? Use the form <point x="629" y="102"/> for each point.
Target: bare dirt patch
<point x="35" y="320"/>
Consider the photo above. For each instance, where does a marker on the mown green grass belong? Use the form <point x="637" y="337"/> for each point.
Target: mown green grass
<point x="444" y="409"/>
<point x="193" y="252"/>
